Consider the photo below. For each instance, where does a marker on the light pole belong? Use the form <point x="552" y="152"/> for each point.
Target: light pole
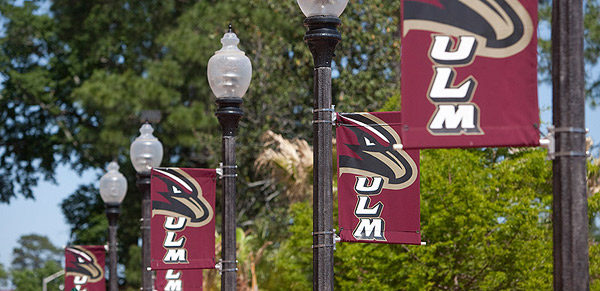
<point x="229" y="74"/>
<point x="322" y="19"/>
<point x="569" y="204"/>
<point x="146" y="152"/>
<point x="113" y="187"/>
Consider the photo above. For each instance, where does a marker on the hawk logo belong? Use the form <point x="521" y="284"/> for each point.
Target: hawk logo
<point x="374" y="155"/>
<point x="368" y="150"/>
<point x="184" y="198"/>
<point x="502" y="28"/>
<point x="85" y="267"/>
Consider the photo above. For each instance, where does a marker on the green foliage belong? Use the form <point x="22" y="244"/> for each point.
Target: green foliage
<point x="33" y="251"/>
<point x="591" y="52"/>
<point x="485" y="218"/>
<point x="591" y="23"/>
<point x="75" y="80"/>
<point x="33" y="260"/>
<point x="291" y="267"/>
<point x="133" y="271"/>
<point x="594" y="214"/>
<point x="3" y="275"/>
<point x="32" y="279"/>
<point x="32" y="139"/>
<point x="369" y="56"/>
<point x="594" y="265"/>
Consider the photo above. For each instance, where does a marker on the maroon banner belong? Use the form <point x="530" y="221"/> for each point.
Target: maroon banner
<point x="178" y="280"/>
<point x="183" y="224"/>
<point x="469" y="73"/>
<point x="84" y="268"/>
<point x="378" y="183"/>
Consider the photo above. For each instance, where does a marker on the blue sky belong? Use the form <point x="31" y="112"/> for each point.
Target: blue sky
<point x="42" y="215"/>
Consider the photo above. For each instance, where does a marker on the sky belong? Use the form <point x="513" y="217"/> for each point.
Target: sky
<point x="40" y="216"/>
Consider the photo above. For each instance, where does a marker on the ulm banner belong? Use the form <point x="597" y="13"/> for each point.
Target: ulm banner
<point x="182" y="224"/>
<point x="84" y="268"/>
<point x="178" y="280"/>
<point x="378" y="183"/>
<point x="469" y="73"/>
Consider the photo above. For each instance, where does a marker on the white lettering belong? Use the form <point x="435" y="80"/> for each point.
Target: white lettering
<point x="176" y="253"/>
<point x="171" y="224"/>
<point x="442" y="45"/>
<point x="442" y="86"/>
<point x="171" y="275"/>
<point x="369" y="228"/>
<point x="176" y="256"/>
<point x="363" y="210"/>
<point x="173" y="285"/>
<point x="173" y="281"/>
<point x="450" y="117"/>
<point x="170" y="240"/>
<point x="80" y="280"/>
<point x="362" y="186"/>
<point x="455" y="113"/>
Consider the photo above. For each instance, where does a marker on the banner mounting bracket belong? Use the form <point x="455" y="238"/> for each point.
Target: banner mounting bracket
<point x="219" y="266"/>
<point x="549" y="142"/>
<point x="330" y="110"/>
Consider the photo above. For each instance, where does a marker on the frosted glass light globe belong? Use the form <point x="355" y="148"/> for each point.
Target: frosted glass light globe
<point x="113" y="185"/>
<point x="146" y="151"/>
<point x="322" y="7"/>
<point x="229" y="69"/>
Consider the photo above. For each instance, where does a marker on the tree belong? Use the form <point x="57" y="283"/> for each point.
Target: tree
<point x="33" y="132"/>
<point x="3" y="275"/>
<point x="32" y="279"/>
<point x="485" y="218"/>
<point x="33" y="251"/>
<point x="75" y="79"/>
<point x="591" y="46"/>
<point x="174" y="80"/>
<point x="33" y="260"/>
<point x="593" y="214"/>
<point x="289" y="163"/>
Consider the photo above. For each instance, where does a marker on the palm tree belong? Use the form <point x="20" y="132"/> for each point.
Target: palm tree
<point x="289" y="163"/>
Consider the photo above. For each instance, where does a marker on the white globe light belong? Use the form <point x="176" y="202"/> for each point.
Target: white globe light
<point x="113" y="185"/>
<point x="322" y="7"/>
<point x="229" y="69"/>
<point x="146" y="151"/>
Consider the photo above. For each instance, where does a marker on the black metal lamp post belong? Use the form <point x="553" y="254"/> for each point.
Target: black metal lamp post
<point x="569" y="204"/>
<point x="113" y="187"/>
<point x="229" y="74"/>
<point x="322" y="37"/>
<point x="146" y="152"/>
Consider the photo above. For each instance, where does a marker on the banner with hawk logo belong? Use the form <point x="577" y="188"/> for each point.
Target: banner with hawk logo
<point x="469" y="73"/>
<point x="178" y="280"/>
<point x="378" y="183"/>
<point x="183" y="222"/>
<point x="84" y="268"/>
